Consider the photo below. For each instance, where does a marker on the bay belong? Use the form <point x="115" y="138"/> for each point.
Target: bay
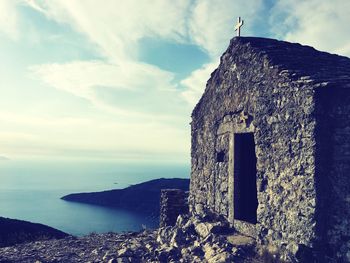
<point x="31" y="190"/>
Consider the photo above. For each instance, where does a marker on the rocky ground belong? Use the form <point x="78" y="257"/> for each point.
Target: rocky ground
<point x="191" y="240"/>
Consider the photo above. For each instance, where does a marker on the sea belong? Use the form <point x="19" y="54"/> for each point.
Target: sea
<point x="31" y="191"/>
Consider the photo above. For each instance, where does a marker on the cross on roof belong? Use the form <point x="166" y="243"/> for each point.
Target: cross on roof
<point x="238" y="26"/>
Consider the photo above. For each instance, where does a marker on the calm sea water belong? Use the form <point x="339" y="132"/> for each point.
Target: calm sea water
<point x="31" y="191"/>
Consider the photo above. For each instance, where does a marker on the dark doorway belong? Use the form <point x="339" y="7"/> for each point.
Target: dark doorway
<point x="245" y="192"/>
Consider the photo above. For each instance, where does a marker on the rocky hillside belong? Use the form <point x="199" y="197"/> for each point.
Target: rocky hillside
<point x="195" y="239"/>
<point x="143" y="197"/>
<point x="14" y="231"/>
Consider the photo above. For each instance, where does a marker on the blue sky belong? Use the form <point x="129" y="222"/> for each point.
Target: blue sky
<point x="117" y="80"/>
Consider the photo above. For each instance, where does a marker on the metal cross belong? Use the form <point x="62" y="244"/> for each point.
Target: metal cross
<point x="238" y="26"/>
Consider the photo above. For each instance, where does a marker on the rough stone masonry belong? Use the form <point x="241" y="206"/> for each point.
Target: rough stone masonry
<point x="173" y="202"/>
<point x="271" y="147"/>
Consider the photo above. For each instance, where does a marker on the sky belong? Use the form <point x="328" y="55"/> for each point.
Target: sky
<point x="118" y="79"/>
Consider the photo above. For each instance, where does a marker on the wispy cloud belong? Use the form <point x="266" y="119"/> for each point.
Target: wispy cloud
<point x="129" y="88"/>
<point x="196" y="82"/>
<point x="116" y="28"/>
<point x="117" y="31"/>
<point x="322" y="24"/>
<point x="4" y="158"/>
<point x="9" y="18"/>
<point x="212" y="22"/>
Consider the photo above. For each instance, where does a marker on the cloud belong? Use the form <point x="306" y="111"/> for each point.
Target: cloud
<point x="212" y="22"/>
<point x="211" y="26"/>
<point x="321" y="24"/>
<point x="9" y="18"/>
<point x="120" y="77"/>
<point x="4" y="158"/>
<point x="132" y="89"/>
<point x="90" y="137"/>
<point x="116" y="28"/>
<point x="151" y="112"/>
<point x="196" y="82"/>
<point x="117" y="31"/>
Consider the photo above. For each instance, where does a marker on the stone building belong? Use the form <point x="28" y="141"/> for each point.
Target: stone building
<point x="271" y="146"/>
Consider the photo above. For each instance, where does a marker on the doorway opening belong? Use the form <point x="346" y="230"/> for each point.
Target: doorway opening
<point x="244" y="179"/>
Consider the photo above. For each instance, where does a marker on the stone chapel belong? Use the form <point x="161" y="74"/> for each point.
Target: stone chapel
<point x="271" y="145"/>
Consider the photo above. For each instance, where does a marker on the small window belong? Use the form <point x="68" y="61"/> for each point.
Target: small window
<point x="220" y="157"/>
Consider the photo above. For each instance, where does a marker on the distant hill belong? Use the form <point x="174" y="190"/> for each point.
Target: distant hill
<point x="143" y="197"/>
<point x="13" y="231"/>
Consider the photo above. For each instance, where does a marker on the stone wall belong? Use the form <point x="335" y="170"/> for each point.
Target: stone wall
<point x="269" y="88"/>
<point x="173" y="202"/>
<point x="333" y="170"/>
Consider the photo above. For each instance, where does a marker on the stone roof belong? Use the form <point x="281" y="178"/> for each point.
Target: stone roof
<point x="296" y="60"/>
